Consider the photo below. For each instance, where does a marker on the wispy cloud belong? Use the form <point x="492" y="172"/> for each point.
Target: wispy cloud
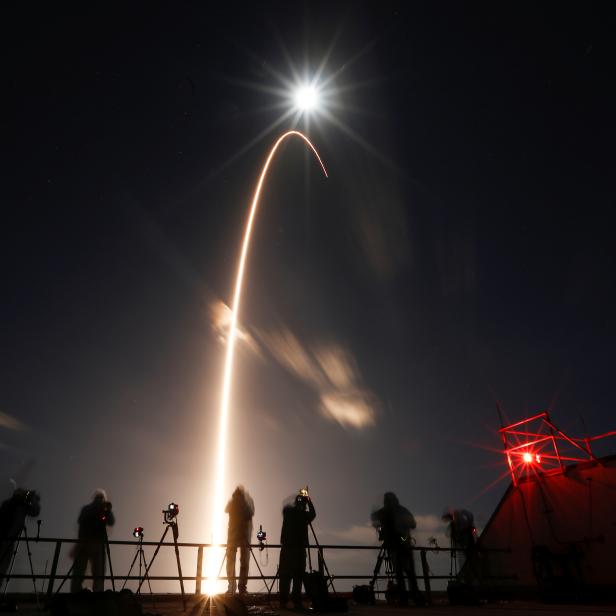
<point x="358" y="534"/>
<point x="328" y="369"/>
<point x="289" y="352"/>
<point x="11" y="423"/>
<point x="354" y="407"/>
<point x="331" y="372"/>
<point x="429" y="526"/>
<point x="220" y="320"/>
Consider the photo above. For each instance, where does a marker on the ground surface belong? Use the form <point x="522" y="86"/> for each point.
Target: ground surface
<point x="168" y="605"/>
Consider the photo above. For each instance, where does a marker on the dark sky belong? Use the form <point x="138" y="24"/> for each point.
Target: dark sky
<point x="460" y="253"/>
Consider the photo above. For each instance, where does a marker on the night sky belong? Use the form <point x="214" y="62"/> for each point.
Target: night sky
<point x="461" y="252"/>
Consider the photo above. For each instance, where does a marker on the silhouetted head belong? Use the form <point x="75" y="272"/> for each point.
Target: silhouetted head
<point x="99" y="496"/>
<point x="29" y="499"/>
<point x="390" y="500"/>
<point x="240" y="501"/>
<point x="447" y="516"/>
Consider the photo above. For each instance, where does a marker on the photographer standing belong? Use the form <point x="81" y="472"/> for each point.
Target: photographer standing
<point x="296" y="518"/>
<point x="395" y="523"/>
<point x="93" y="521"/>
<point x="241" y="510"/>
<point x="13" y="514"/>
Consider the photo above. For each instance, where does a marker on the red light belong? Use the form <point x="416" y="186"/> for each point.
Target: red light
<point x="538" y="458"/>
<point x="527" y="457"/>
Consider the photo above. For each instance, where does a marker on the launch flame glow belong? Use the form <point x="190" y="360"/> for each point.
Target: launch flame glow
<point x="218" y="500"/>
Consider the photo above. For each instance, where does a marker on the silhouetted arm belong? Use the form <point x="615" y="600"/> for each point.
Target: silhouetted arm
<point x="311" y="514"/>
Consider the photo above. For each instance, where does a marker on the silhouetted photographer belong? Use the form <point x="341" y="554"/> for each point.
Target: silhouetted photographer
<point x="463" y="535"/>
<point x="395" y="523"/>
<point x="13" y="513"/>
<point x="296" y="518"/>
<point x="241" y="510"/>
<point x="93" y="521"/>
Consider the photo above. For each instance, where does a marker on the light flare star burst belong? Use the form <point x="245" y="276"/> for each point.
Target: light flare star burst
<point x="214" y="562"/>
<point x="306" y="98"/>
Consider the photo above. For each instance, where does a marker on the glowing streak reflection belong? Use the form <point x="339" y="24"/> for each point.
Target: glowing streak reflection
<point x="218" y="501"/>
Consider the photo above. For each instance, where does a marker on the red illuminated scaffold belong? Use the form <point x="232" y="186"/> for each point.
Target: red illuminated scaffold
<point x="536" y="445"/>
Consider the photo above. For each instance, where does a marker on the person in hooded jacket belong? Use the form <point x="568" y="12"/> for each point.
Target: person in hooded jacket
<point x="241" y="510"/>
<point x="296" y="518"/>
<point x="395" y="523"/>
<point x="93" y="521"/>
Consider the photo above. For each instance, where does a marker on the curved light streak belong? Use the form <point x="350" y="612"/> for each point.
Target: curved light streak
<point x="218" y="501"/>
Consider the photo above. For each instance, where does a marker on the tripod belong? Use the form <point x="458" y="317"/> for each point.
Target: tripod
<point x="383" y="556"/>
<point x="7" y="550"/>
<point x="453" y="559"/>
<point x="173" y="525"/>
<point x="320" y="559"/>
<point x="107" y="553"/>
<point x="142" y="563"/>
<point x="399" y="568"/>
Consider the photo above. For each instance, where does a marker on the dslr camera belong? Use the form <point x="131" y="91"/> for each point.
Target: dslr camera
<point x="261" y="537"/>
<point x="171" y="512"/>
<point x="30" y="500"/>
<point x="103" y="516"/>
<point x="302" y="497"/>
<point x="138" y="532"/>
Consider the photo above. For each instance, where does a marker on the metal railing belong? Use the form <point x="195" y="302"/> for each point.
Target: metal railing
<point x="53" y="576"/>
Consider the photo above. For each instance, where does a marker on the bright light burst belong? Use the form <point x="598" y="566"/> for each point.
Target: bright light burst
<point x="306" y="98"/>
<point x="216" y="555"/>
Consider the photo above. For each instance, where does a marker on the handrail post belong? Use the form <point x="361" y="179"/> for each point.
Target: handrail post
<point x="54" y="568"/>
<point x="426" y="575"/>
<point x="199" y="569"/>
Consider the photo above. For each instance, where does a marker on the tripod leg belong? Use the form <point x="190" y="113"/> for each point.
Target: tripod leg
<point x="177" y="558"/>
<point x="142" y="560"/>
<point x="68" y="575"/>
<point x="276" y="579"/>
<point x="322" y="559"/>
<point x="131" y="568"/>
<point x="377" y="567"/>
<point x="269" y="594"/>
<point x="147" y="569"/>
<point x="13" y="557"/>
<point x="222" y="563"/>
<point x="108" y="550"/>
<point x="25" y="532"/>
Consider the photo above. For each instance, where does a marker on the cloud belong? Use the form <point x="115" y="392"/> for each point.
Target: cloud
<point x="430" y="526"/>
<point x="354" y="408"/>
<point x="331" y="372"/>
<point x="11" y="423"/>
<point x="338" y="366"/>
<point x="328" y="369"/>
<point x="289" y="352"/>
<point x="220" y="319"/>
<point x="358" y="534"/>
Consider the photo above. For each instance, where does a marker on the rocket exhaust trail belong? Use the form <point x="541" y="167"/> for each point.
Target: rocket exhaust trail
<point x="218" y="500"/>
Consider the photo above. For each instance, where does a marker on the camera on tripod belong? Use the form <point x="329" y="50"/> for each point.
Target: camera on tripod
<point x="30" y="499"/>
<point x="138" y="532"/>
<point x="302" y="496"/>
<point x="170" y="513"/>
<point x="261" y="537"/>
<point x="103" y="516"/>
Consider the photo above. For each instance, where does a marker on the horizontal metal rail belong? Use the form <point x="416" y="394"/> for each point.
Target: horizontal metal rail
<point x="53" y="575"/>
<point x="324" y="546"/>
